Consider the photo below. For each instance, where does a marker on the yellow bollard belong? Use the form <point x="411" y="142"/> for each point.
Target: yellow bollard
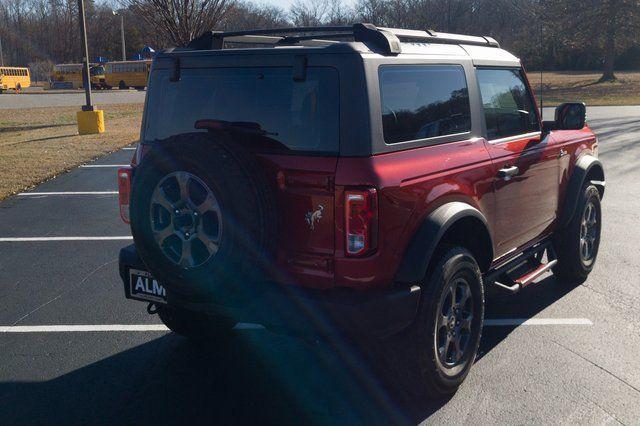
<point x="90" y="122"/>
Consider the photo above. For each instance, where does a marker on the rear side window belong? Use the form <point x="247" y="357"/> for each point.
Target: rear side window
<point x="508" y="106"/>
<point x="285" y="115"/>
<point x="420" y="102"/>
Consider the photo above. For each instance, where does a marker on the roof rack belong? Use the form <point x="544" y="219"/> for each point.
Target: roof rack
<point x="385" y="40"/>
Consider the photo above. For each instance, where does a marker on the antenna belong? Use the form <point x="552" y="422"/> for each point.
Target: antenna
<point x="541" y="66"/>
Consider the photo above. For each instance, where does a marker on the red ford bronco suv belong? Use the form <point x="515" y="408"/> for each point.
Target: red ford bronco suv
<point x="355" y="180"/>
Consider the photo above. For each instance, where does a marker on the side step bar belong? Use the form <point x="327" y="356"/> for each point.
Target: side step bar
<point x="527" y="279"/>
<point x="530" y="261"/>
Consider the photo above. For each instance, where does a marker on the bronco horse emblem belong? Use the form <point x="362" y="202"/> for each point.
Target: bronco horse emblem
<point x="313" y="217"/>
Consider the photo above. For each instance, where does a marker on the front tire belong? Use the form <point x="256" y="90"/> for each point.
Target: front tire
<point x="434" y="356"/>
<point x="577" y="245"/>
<point x="195" y="325"/>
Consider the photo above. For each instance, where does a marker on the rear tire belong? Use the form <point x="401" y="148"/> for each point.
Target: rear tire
<point x="122" y="85"/>
<point x="195" y="325"/>
<point x="577" y="245"/>
<point x="434" y="355"/>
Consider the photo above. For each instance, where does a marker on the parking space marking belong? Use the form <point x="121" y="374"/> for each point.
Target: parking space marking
<point x="505" y="322"/>
<point x="129" y="148"/>
<point x="102" y="328"/>
<point x="84" y="328"/>
<point x="98" y="166"/>
<point x="36" y="239"/>
<point x="251" y="326"/>
<point x="26" y="194"/>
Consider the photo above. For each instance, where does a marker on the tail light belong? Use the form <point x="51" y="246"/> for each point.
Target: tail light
<point x="124" y="191"/>
<point x="361" y="222"/>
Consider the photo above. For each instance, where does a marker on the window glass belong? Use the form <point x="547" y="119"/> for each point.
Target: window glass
<point x="421" y="102"/>
<point x="508" y="106"/>
<point x="266" y="104"/>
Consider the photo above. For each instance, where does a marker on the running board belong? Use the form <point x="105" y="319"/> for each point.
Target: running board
<point x="527" y="267"/>
<point x="527" y="279"/>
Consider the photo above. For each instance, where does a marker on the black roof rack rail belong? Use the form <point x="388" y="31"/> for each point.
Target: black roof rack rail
<point x="386" y="40"/>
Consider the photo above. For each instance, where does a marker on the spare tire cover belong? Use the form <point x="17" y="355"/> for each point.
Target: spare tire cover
<point x="202" y="215"/>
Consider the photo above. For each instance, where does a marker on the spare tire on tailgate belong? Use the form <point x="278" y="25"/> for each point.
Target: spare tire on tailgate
<point x="202" y="214"/>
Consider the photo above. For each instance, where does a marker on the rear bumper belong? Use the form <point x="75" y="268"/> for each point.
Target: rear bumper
<point x="289" y="308"/>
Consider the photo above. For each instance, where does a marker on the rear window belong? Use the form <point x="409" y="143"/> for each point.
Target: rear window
<point x="288" y="115"/>
<point x="420" y="102"/>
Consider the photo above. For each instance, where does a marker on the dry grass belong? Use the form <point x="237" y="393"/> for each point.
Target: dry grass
<point x="37" y="144"/>
<point x="583" y="86"/>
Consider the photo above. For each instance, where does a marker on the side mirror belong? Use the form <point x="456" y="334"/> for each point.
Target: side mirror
<point x="570" y="116"/>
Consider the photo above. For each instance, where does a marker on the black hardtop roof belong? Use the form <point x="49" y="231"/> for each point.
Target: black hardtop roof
<point x="382" y="40"/>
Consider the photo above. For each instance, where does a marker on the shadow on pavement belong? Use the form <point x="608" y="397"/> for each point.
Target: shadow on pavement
<point x="256" y="376"/>
<point x="525" y="304"/>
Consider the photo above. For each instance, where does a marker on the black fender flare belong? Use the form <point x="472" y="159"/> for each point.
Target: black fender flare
<point x="586" y="166"/>
<point x="418" y="254"/>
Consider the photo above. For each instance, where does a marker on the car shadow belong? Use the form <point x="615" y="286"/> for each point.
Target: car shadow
<point x="255" y="376"/>
<point x="523" y="305"/>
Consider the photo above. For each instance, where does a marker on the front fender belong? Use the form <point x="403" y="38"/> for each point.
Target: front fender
<point x="589" y="167"/>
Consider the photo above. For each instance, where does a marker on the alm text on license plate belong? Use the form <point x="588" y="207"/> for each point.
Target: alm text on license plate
<point x="144" y="287"/>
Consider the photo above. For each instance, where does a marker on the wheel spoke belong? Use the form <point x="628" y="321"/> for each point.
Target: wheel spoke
<point x="160" y="198"/>
<point x="583" y="248"/>
<point x="456" y="347"/>
<point x="453" y="290"/>
<point x="209" y="204"/>
<point x="441" y="321"/>
<point x="185" y="256"/>
<point x="465" y="295"/>
<point x="163" y="234"/>
<point x="445" y="349"/>
<point x="465" y="323"/>
<point x="183" y="181"/>
<point x="212" y="246"/>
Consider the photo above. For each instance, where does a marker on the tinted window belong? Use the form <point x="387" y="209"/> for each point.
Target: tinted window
<point x="421" y="102"/>
<point x="283" y="115"/>
<point x="508" y="106"/>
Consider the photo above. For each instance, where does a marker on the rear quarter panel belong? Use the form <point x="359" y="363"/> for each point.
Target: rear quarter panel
<point x="411" y="184"/>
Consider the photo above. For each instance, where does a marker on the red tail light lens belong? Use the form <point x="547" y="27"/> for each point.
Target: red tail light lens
<point x="124" y="191"/>
<point x="361" y="222"/>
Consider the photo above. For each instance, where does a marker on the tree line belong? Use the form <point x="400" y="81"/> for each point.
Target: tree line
<point x="546" y="34"/>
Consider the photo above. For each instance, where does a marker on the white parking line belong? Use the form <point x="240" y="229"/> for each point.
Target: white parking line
<point x="505" y="322"/>
<point x="129" y="148"/>
<point x="31" y="239"/>
<point x="26" y="194"/>
<point x="252" y="326"/>
<point x="97" y="166"/>
<point x="102" y="328"/>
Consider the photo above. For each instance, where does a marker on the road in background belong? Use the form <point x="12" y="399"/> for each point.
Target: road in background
<point x="580" y="373"/>
<point x="51" y="99"/>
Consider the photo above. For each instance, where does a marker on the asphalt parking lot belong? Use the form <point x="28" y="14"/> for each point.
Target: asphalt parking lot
<point x="576" y="359"/>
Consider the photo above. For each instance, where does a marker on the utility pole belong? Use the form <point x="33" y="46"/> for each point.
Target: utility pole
<point x="1" y="57"/>
<point x="86" y="79"/>
<point x="124" y="50"/>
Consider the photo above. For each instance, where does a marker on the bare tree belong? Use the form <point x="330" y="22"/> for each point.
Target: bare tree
<point x="180" y="20"/>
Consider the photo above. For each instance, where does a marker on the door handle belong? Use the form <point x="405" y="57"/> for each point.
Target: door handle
<point x="508" y="172"/>
<point x="562" y="153"/>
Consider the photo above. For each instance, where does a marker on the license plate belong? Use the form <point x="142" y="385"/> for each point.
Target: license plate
<point x="143" y="286"/>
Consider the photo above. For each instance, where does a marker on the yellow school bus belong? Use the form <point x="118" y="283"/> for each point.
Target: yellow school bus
<point x="72" y="73"/>
<point x="127" y="74"/>
<point x="15" y="78"/>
